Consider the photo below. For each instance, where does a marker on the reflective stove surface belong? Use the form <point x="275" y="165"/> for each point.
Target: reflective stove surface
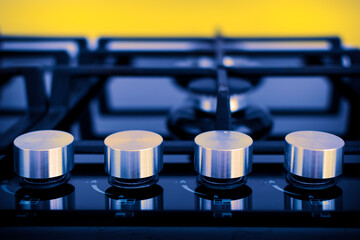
<point x="267" y="200"/>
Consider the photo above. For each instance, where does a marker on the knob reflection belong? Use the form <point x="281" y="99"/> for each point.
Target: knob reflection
<point x="129" y="200"/>
<point x="313" y="200"/>
<point x="223" y="201"/>
<point x="58" y="198"/>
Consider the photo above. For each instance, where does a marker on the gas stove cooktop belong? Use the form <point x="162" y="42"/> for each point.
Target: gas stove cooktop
<point x="243" y="133"/>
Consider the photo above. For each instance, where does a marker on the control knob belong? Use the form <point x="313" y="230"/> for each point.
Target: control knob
<point x="43" y="159"/>
<point x="223" y="158"/>
<point x="133" y="158"/>
<point x="313" y="159"/>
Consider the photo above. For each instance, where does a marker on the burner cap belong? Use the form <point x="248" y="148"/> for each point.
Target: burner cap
<point x="204" y="92"/>
<point x="208" y="86"/>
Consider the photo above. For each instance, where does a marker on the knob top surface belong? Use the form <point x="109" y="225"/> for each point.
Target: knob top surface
<point x="43" y="140"/>
<point x="134" y="140"/>
<point x="223" y="140"/>
<point x="314" y="140"/>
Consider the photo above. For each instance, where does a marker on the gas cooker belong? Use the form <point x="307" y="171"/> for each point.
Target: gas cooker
<point x="117" y="84"/>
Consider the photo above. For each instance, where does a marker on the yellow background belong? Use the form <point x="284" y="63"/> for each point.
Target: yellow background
<point x="93" y="18"/>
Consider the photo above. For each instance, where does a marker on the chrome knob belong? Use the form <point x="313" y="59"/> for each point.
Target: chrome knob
<point x="43" y="158"/>
<point x="133" y="158"/>
<point x="223" y="155"/>
<point x="313" y="155"/>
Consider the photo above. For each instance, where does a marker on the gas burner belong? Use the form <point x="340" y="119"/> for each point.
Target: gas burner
<point x="198" y="113"/>
<point x="204" y="94"/>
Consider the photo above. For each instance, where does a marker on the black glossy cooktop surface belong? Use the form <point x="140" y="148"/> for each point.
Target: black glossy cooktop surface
<point x="177" y="199"/>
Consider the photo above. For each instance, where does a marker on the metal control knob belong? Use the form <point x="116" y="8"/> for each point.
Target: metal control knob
<point x="313" y="159"/>
<point x="133" y="159"/>
<point x="223" y="158"/>
<point x="43" y="159"/>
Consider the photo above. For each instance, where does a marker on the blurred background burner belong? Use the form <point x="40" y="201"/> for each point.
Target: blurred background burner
<point x="302" y="100"/>
<point x="197" y="114"/>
